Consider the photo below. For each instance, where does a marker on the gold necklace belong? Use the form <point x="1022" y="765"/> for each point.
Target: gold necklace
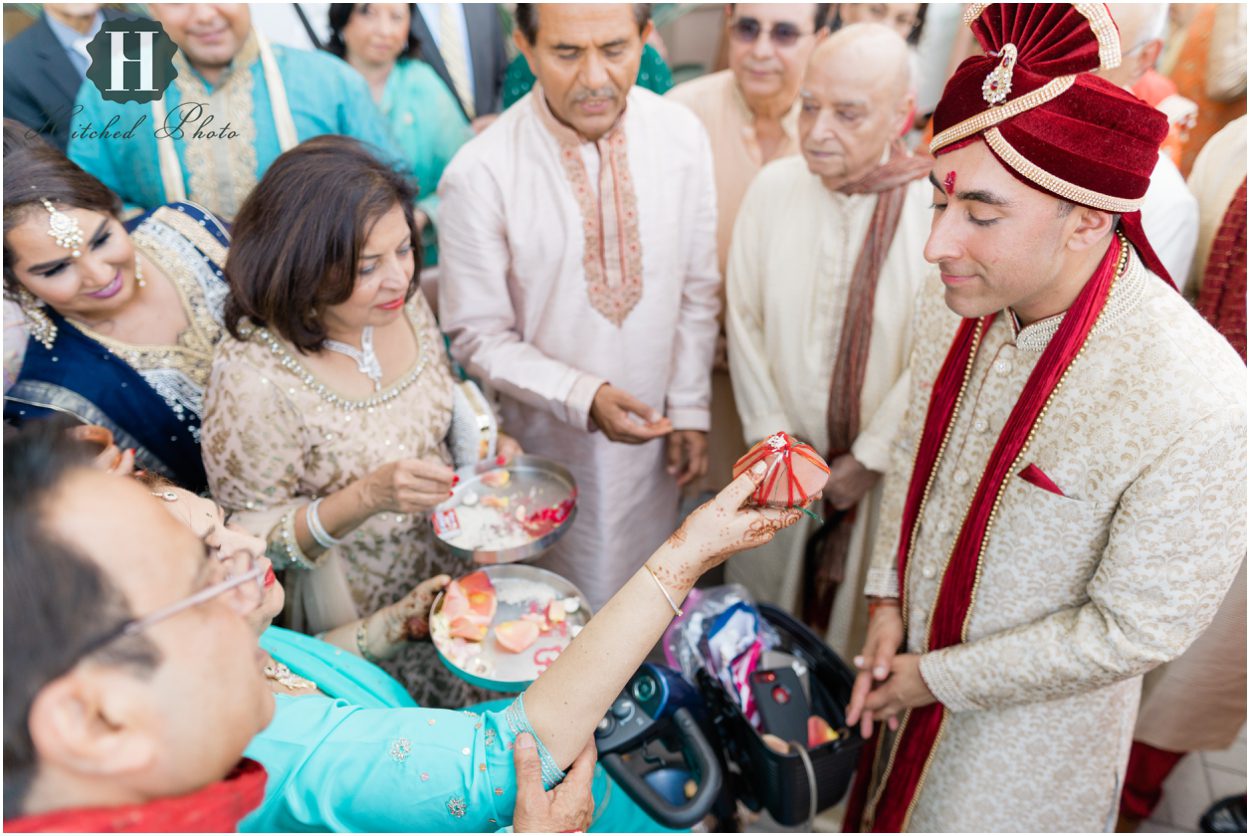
<point x="282" y="675"/>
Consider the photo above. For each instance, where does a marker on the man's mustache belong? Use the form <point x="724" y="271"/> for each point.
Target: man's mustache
<point x="608" y="92"/>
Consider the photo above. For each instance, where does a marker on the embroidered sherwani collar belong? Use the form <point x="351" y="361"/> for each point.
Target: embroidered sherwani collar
<point x="221" y="174"/>
<point x="1126" y="295"/>
<point x="612" y="247"/>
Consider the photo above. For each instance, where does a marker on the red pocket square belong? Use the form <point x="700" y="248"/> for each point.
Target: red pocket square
<point x="1034" y="476"/>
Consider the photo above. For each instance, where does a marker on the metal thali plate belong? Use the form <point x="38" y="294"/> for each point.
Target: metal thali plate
<point x="519" y="590"/>
<point x="509" y="513"/>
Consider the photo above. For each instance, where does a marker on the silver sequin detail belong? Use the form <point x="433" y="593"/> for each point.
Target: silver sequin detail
<point x="400" y="748"/>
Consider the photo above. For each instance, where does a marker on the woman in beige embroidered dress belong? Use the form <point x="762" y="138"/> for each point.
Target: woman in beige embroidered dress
<point x="327" y="412"/>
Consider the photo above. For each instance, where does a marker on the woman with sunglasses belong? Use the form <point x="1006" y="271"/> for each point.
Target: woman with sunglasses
<point x="349" y="750"/>
<point x="121" y="317"/>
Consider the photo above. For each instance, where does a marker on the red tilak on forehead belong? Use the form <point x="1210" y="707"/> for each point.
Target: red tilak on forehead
<point x="949" y="182"/>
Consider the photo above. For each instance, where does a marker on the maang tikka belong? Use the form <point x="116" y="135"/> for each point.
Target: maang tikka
<point x="64" y="229"/>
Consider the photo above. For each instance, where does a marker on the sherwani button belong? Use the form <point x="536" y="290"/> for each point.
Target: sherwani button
<point x="1003" y="366"/>
<point x="928" y="572"/>
<point x="961" y="477"/>
<point x="980" y="425"/>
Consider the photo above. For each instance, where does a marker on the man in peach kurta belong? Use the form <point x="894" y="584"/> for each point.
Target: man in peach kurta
<point x="580" y="282"/>
<point x="751" y="114"/>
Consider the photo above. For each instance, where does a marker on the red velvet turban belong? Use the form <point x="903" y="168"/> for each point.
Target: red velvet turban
<point x="1048" y="121"/>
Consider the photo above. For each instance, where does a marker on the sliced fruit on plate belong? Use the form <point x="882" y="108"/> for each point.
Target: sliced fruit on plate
<point x="469" y="605"/>
<point x="555" y="612"/>
<point x="496" y="478"/>
<point x="516" y="636"/>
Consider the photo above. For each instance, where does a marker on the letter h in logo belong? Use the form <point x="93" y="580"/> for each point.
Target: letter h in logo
<point x="131" y="60"/>
<point x="117" y="68"/>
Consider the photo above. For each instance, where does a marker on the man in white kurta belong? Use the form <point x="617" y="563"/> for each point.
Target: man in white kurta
<point x="795" y="247"/>
<point x="573" y="268"/>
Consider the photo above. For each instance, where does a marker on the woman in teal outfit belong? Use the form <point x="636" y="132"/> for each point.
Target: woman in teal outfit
<point x="424" y="120"/>
<point x="348" y="749"/>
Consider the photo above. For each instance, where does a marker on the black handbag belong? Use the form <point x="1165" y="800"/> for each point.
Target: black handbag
<point x="783" y="783"/>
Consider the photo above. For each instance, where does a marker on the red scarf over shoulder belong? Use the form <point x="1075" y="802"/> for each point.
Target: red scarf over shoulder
<point x="215" y="809"/>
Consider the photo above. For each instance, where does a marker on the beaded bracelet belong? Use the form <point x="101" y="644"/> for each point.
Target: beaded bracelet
<point x="283" y="549"/>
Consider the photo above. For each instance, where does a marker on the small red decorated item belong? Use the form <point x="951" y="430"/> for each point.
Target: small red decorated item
<point x="796" y="473"/>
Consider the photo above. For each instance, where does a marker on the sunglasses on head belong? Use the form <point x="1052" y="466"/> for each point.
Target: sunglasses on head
<point x="748" y="29"/>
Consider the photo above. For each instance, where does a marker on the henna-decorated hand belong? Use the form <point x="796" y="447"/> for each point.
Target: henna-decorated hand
<point x="408" y="619"/>
<point x="721" y="527"/>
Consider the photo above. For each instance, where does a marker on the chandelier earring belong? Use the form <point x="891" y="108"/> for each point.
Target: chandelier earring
<point x="42" y="328"/>
<point x="139" y="272"/>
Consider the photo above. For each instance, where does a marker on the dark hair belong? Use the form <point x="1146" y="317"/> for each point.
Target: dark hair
<point x="340" y="13"/>
<point x="17" y="135"/>
<point x="299" y="236"/>
<point x="35" y="171"/>
<point x="917" y="31"/>
<point x="56" y="600"/>
<point x="820" y="17"/>
<point x="913" y="37"/>
<point x="526" y="18"/>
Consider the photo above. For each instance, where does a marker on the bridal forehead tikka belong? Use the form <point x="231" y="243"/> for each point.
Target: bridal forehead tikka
<point x="63" y="229"/>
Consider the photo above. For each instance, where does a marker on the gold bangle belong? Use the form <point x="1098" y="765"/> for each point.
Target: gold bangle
<point x="667" y="597"/>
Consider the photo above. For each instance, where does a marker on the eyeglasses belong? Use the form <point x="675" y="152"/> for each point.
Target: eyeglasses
<point x="748" y="29"/>
<point x="243" y="590"/>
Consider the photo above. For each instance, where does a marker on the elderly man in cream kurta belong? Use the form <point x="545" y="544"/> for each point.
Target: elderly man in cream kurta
<point x="580" y="282"/>
<point x="799" y="237"/>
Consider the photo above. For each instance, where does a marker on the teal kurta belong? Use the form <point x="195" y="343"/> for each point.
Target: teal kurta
<point x="429" y="127"/>
<point x="325" y="95"/>
<point x="367" y="758"/>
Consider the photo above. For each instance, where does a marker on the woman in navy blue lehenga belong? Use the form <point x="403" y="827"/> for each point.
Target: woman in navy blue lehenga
<point x="122" y="317"/>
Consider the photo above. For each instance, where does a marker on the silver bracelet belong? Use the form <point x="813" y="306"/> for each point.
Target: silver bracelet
<point x="667" y="597"/>
<point x="316" y="529"/>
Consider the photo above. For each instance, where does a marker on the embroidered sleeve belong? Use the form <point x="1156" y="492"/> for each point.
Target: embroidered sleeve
<point x="252" y="454"/>
<point x="1174" y="546"/>
<point x="932" y="330"/>
<point x="882" y="580"/>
